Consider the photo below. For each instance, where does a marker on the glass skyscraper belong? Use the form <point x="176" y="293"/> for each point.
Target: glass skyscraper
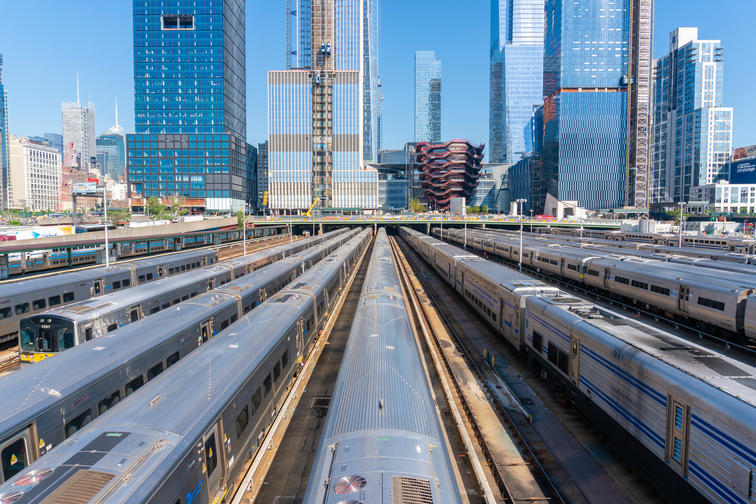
<point x="323" y="111"/>
<point x="190" y="104"/>
<point x="692" y="133"/>
<point x="4" y="146"/>
<point x="516" y="59"/>
<point x="585" y="101"/>
<point x="427" y="97"/>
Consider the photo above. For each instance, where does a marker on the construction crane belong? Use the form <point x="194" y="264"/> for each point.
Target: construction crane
<point x="308" y="213"/>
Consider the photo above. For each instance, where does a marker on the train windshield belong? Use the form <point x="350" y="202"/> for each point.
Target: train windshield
<point x="46" y="334"/>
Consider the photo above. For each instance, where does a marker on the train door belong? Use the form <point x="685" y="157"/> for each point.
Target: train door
<point x="206" y="331"/>
<point x="135" y="313"/>
<point x="262" y="295"/>
<point x="15" y="454"/>
<point x="161" y="271"/>
<point x="300" y="341"/>
<point x="682" y="298"/>
<point x="213" y="462"/>
<point x="678" y="420"/>
<point x="575" y="360"/>
<point x="97" y="288"/>
<point x="211" y="284"/>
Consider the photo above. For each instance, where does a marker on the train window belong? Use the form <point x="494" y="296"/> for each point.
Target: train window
<point x="53" y="300"/>
<point x="154" y="310"/>
<point x="39" y="304"/>
<point x="107" y="403"/>
<point x="183" y="267"/>
<point x="22" y="308"/>
<point x="78" y="422"/>
<point x="224" y="324"/>
<point x="660" y="290"/>
<point x="268" y="384"/>
<point x="593" y="272"/>
<point x="154" y="371"/>
<point x="116" y="284"/>
<point x="277" y="371"/>
<point x="140" y="279"/>
<point x="172" y="359"/>
<point x="285" y="359"/>
<point x="242" y="420"/>
<point x="165" y="306"/>
<point x="126" y="282"/>
<point x="68" y="296"/>
<point x="185" y="297"/>
<point x="112" y="327"/>
<point x="150" y="276"/>
<point x="553" y="353"/>
<point x="170" y="271"/>
<point x="176" y="301"/>
<point x="87" y="334"/>
<point x="563" y="362"/>
<point x="211" y="455"/>
<point x="256" y="400"/>
<point x="14" y="458"/>
<point x="640" y="285"/>
<point x="622" y="280"/>
<point x="537" y="341"/>
<point x="710" y="303"/>
<point x="134" y="384"/>
<point x="134" y="314"/>
<point x="572" y="267"/>
<point x="5" y="312"/>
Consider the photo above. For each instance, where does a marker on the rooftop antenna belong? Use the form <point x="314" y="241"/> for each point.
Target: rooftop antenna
<point x="77" y="89"/>
<point x="116" y="111"/>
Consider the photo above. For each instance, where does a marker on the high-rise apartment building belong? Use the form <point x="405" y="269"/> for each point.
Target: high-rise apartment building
<point x="516" y="65"/>
<point x="592" y="52"/>
<point x="35" y="174"/>
<point x="692" y="132"/>
<point x="190" y="104"/>
<point x="427" y="97"/>
<point x="323" y="111"/>
<point x="4" y="146"/>
<point x="79" y="131"/>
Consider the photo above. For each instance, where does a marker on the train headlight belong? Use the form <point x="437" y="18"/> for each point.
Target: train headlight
<point x="32" y="478"/>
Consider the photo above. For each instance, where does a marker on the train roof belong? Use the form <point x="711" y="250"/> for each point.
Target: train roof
<point x="733" y="377"/>
<point x="32" y="389"/>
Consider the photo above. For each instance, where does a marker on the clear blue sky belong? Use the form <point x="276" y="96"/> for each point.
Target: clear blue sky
<point x="45" y="42"/>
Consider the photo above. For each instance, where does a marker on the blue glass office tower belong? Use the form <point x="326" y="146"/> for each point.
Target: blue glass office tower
<point x="585" y="101"/>
<point x="427" y="97"/>
<point x="692" y="134"/>
<point x="190" y="104"/>
<point x="323" y="110"/>
<point x="4" y="146"/>
<point x="516" y="59"/>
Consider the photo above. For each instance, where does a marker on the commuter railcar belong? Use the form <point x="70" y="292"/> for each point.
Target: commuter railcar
<point x="125" y="360"/>
<point x="62" y="328"/>
<point x="714" y="299"/>
<point x="382" y="435"/>
<point x="175" y="442"/>
<point x="23" y="298"/>
<point x="692" y="410"/>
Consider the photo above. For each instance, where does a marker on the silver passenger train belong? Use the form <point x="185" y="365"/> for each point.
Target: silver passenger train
<point x="47" y="403"/>
<point x="712" y="298"/>
<point x="22" y="298"/>
<point x="382" y="440"/>
<point x="691" y="410"/>
<point x="62" y="328"/>
<point x="185" y="437"/>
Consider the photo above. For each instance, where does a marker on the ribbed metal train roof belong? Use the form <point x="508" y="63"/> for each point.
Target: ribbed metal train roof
<point x="381" y="383"/>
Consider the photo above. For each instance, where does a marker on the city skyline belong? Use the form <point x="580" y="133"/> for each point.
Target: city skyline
<point x="39" y="91"/>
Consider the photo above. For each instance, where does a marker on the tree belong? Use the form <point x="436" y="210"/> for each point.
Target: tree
<point x="484" y="209"/>
<point x="675" y="214"/>
<point x="239" y="219"/>
<point x="476" y="209"/>
<point x="177" y="206"/>
<point x="416" y="206"/>
<point x="156" y="210"/>
<point x="116" y="215"/>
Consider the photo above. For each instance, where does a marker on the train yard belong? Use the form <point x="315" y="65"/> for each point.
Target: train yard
<point x="360" y="366"/>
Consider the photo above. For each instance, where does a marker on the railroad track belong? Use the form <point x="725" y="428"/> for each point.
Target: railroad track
<point x="517" y="473"/>
<point x="9" y="362"/>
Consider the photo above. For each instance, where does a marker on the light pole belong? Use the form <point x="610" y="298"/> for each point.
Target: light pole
<point x="520" y="202"/>
<point x="531" y="222"/>
<point x="244" y="229"/>
<point x="680" y="223"/>
<point x="465" y="217"/>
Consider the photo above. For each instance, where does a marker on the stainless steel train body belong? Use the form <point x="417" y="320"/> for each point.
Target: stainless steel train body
<point x="22" y="298"/>
<point x="495" y="291"/>
<point x="382" y="440"/>
<point x="62" y="328"/>
<point x="692" y="409"/>
<point x="47" y="403"/>
<point x="714" y="298"/>
<point x="186" y="436"/>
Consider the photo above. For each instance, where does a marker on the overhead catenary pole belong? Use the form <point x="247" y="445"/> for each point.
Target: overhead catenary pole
<point x="680" y="223"/>
<point x="105" y="209"/>
<point x="519" y="211"/>
<point x="244" y="229"/>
